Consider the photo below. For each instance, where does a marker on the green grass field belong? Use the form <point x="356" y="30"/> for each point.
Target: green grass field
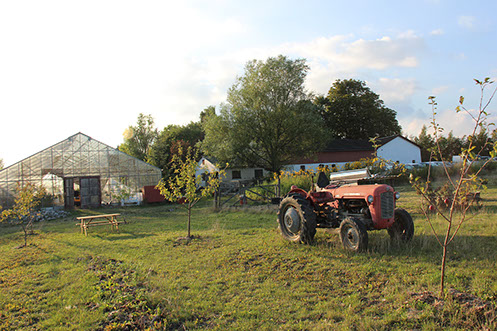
<point x="240" y="274"/>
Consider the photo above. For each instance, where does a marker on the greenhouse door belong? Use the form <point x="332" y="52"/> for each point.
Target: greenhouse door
<point x="69" y="193"/>
<point x="90" y="192"/>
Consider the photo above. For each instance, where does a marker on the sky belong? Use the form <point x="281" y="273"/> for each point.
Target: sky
<point x="93" y="66"/>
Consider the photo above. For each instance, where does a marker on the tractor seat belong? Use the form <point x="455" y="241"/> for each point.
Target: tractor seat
<point x="323" y="180"/>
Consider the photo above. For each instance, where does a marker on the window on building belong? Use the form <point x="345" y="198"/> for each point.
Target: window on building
<point x="258" y="173"/>
<point x="302" y="167"/>
<point x="236" y="174"/>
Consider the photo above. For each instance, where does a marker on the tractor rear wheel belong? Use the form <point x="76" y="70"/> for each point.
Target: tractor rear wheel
<point x="403" y="227"/>
<point x="354" y="235"/>
<point x="296" y="219"/>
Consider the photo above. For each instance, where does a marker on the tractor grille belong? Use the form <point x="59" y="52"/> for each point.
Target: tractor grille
<point x="387" y="205"/>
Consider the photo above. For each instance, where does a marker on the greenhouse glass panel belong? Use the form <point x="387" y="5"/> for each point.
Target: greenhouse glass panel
<point x="79" y="171"/>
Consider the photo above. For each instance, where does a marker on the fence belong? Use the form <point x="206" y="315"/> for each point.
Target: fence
<point x="240" y="192"/>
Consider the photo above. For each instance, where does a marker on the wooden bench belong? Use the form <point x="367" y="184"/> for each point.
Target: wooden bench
<point x="108" y="219"/>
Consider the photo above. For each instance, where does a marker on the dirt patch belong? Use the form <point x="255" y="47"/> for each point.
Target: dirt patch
<point x="123" y="298"/>
<point x="475" y="306"/>
<point x="473" y="311"/>
<point x="185" y="240"/>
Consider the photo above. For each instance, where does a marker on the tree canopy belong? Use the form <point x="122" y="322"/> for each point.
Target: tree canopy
<point x="352" y="111"/>
<point x="168" y="141"/>
<point x="138" y="139"/>
<point x="268" y="120"/>
<point x="447" y="146"/>
<point x="426" y="142"/>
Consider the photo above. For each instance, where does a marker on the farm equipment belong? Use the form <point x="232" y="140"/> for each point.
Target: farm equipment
<point x="341" y="202"/>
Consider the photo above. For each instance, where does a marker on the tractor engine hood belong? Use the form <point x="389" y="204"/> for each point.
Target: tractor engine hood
<point x="380" y="199"/>
<point x="358" y="191"/>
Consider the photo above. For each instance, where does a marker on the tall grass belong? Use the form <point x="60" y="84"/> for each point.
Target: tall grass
<point x="239" y="274"/>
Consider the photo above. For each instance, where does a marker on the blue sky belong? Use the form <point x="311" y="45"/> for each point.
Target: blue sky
<point x="93" y="66"/>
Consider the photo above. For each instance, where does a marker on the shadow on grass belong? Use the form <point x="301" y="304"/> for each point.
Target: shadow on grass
<point x="426" y="247"/>
<point x="121" y="236"/>
<point x="422" y="247"/>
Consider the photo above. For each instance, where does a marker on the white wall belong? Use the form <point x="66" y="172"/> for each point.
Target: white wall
<point x="400" y="150"/>
<point x="205" y="165"/>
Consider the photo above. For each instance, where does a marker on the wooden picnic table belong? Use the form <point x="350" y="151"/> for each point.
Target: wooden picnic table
<point x="107" y="219"/>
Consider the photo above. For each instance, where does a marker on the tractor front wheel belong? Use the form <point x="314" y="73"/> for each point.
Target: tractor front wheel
<point x="297" y="220"/>
<point x="354" y="235"/>
<point x="403" y="227"/>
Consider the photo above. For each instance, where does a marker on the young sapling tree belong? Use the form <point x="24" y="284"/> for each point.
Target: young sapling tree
<point x="184" y="184"/>
<point x="461" y="191"/>
<point x="28" y="199"/>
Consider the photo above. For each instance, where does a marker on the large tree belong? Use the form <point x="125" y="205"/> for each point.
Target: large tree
<point x="426" y="142"/>
<point x="450" y="146"/>
<point x="268" y="119"/>
<point x="352" y="111"/>
<point x="481" y="141"/>
<point x="138" y="139"/>
<point x="166" y="144"/>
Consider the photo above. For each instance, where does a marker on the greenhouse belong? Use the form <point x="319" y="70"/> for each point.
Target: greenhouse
<point x="80" y="171"/>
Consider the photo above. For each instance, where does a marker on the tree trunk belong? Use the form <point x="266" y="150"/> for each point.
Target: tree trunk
<point x="442" y="276"/>
<point x="217" y="196"/>
<point x="25" y="234"/>
<point x="189" y="218"/>
<point x="444" y="255"/>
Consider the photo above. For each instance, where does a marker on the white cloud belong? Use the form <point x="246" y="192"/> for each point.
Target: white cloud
<point x="343" y="56"/>
<point x="409" y="34"/>
<point x="466" y="21"/>
<point x="378" y="54"/>
<point x="439" y="90"/>
<point x="437" y="32"/>
<point x="460" y="123"/>
<point x="412" y="126"/>
<point x="394" y="89"/>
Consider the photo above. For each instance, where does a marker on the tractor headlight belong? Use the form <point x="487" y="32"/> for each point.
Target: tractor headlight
<point x="370" y="199"/>
<point x="397" y="195"/>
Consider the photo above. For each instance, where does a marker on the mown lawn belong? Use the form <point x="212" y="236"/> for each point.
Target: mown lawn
<point x="240" y="274"/>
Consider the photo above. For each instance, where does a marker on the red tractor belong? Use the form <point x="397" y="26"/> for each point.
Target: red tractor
<point x="342" y="203"/>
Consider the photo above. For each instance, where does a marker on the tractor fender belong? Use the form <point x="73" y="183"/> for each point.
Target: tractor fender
<point x="295" y="190"/>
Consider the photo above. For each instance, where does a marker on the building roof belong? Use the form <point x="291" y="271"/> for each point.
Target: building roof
<point x="386" y="140"/>
<point x="347" y="150"/>
<point x="346" y="145"/>
<point x="350" y="145"/>
<point x="78" y="142"/>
